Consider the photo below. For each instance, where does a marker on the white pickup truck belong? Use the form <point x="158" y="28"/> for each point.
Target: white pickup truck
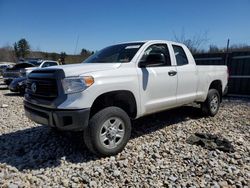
<point x="119" y="83"/>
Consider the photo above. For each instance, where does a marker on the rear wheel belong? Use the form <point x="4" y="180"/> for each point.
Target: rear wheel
<point x="108" y="131"/>
<point x="212" y="104"/>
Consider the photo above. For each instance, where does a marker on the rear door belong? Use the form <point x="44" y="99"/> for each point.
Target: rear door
<point x="187" y="76"/>
<point x="158" y="83"/>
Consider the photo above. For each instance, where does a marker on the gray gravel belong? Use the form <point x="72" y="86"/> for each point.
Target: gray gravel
<point x="156" y="156"/>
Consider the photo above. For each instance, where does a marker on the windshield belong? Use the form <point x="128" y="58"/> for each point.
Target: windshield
<point x="34" y="62"/>
<point x="121" y="53"/>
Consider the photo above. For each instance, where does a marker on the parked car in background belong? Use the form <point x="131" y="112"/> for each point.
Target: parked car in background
<point x="24" y="68"/>
<point x="4" y="66"/>
<point x="19" y="84"/>
<point x="39" y="64"/>
<point x="17" y="70"/>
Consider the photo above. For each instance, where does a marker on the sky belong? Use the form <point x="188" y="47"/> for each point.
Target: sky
<point x="57" y="25"/>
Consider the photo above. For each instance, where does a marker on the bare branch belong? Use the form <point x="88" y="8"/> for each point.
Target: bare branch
<point x="194" y="43"/>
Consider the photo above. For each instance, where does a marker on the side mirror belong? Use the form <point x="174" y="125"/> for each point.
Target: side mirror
<point x="156" y="59"/>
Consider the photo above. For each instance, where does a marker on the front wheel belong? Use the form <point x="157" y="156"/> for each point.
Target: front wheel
<point x="108" y="131"/>
<point x="212" y="104"/>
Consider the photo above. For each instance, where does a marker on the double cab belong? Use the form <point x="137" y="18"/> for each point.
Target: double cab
<point x="118" y="83"/>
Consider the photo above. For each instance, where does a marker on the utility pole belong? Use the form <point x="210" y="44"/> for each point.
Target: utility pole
<point x="77" y="39"/>
<point x="227" y="52"/>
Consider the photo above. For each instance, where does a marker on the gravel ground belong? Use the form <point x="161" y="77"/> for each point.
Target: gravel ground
<point x="156" y="156"/>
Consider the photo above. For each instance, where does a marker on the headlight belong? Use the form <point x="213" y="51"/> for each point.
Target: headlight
<point x="76" y="84"/>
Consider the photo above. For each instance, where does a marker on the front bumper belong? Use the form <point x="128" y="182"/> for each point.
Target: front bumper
<point x="72" y="120"/>
<point x="13" y="88"/>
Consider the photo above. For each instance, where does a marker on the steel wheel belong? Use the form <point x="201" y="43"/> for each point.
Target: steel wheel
<point x="108" y="131"/>
<point x="211" y="106"/>
<point x="112" y="132"/>
<point x="214" y="103"/>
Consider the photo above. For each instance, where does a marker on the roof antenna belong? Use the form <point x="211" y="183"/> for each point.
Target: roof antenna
<point x="77" y="39"/>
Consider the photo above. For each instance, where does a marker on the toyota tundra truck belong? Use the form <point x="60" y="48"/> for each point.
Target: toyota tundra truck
<point x="117" y="84"/>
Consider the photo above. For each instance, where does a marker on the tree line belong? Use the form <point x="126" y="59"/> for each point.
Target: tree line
<point x="21" y="50"/>
<point x="195" y="43"/>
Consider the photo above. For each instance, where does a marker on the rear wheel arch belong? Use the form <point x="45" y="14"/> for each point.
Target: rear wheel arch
<point x="211" y="106"/>
<point x="216" y="84"/>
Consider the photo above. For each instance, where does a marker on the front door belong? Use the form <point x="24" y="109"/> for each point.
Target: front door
<point x="158" y="83"/>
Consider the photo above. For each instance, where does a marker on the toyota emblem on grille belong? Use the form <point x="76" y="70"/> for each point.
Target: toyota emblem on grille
<point x="33" y="87"/>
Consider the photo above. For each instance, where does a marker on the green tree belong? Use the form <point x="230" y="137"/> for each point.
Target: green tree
<point x="54" y="56"/>
<point x="17" y="53"/>
<point x="85" y="52"/>
<point x="46" y="55"/>
<point x="22" y="48"/>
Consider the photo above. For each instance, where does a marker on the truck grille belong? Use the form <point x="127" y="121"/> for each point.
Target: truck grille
<point x="43" y="84"/>
<point x="41" y="88"/>
<point x="11" y="74"/>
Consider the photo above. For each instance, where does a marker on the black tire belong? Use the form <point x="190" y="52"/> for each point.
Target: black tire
<point x="96" y="128"/>
<point x="210" y="107"/>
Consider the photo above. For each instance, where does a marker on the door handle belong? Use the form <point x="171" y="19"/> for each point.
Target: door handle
<point x="172" y="73"/>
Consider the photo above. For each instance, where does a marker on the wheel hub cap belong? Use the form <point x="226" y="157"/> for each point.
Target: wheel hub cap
<point x="214" y="103"/>
<point x="112" y="132"/>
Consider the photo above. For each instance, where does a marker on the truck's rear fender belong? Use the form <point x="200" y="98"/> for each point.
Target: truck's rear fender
<point x="123" y="99"/>
<point x="211" y="77"/>
<point x="216" y="84"/>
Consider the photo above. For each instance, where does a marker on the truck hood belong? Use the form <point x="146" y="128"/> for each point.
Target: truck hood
<point x="82" y="68"/>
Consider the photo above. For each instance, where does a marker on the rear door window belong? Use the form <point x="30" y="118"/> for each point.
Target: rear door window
<point x="180" y="55"/>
